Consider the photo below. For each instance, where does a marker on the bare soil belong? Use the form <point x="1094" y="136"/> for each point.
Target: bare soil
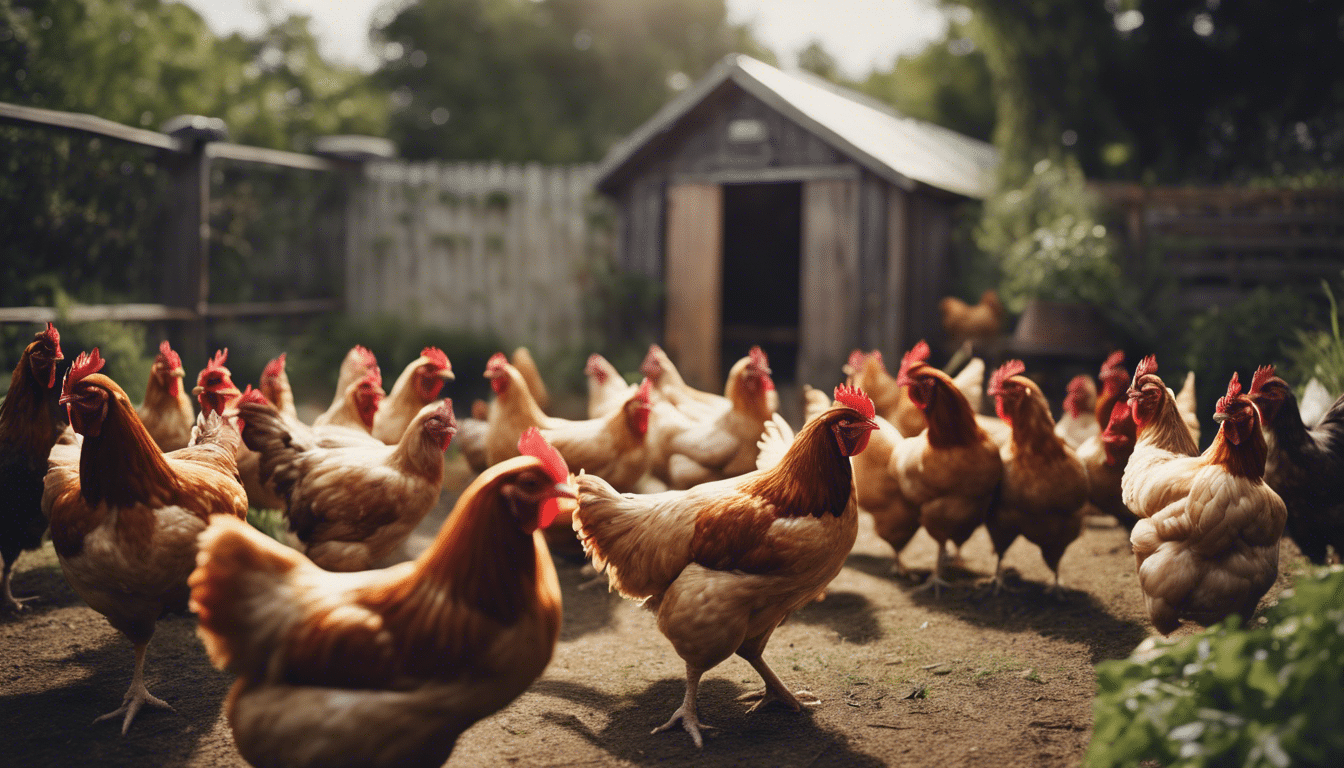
<point x="904" y="677"/>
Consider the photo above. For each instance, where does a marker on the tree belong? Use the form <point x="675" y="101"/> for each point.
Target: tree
<point x="552" y="80"/>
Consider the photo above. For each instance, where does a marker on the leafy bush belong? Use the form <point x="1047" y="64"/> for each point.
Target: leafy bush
<point x="1051" y="240"/>
<point x="1319" y="354"/>
<point x="1269" y="696"/>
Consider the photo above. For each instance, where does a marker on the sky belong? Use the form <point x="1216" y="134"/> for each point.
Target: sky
<point x="860" y="34"/>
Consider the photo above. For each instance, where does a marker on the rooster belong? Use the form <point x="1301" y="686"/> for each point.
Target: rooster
<point x="417" y="386"/>
<point x="965" y="322"/>
<point x="354" y="366"/>
<point x="606" y="387"/>
<point x="274" y="386"/>
<point x="1079" y="420"/>
<point x="1213" y="549"/>
<point x="388" y="667"/>
<point x="1114" y="381"/>
<point x="30" y="424"/>
<point x="214" y="389"/>
<point x="722" y="564"/>
<point x="685" y="451"/>
<point x="124" y="520"/>
<point x="167" y="412"/>
<point x="868" y="372"/>
<point x="1305" y="466"/>
<point x="1104" y="458"/>
<point x="351" y="507"/>
<point x="1044" y="484"/>
<point x="1165" y="457"/>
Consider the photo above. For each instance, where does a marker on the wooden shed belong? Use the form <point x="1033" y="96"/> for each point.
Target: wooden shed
<point x="780" y="209"/>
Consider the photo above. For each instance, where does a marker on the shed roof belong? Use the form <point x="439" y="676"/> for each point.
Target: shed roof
<point x="900" y="149"/>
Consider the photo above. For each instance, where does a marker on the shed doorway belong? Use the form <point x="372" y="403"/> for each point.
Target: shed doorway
<point x="762" y="250"/>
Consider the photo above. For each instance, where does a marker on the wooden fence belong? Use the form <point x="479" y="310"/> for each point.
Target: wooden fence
<point x="504" y="249"/>
<point x="1221" y="243"/>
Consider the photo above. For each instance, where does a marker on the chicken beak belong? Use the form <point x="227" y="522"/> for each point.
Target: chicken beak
<point x="1219" y="418"/>
<point x="179" y="373"/>
<point x="198" y="389"/>
<point x="447" y="375"/>
<point x="565" y="491"/>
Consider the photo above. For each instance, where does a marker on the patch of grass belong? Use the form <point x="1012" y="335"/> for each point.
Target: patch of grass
<point x="269" y="521"/>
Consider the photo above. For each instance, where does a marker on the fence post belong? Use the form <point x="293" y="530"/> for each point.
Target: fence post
<point x="353" y="153"/>
<point x="186" y="242"/>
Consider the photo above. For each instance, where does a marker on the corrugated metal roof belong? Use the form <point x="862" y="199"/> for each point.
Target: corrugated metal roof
<point x="901" y="149"/>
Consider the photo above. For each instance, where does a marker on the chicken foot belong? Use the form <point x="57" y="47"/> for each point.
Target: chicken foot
<point x="775" y="690"/>
<point x="686" y="713"/>
<point x="137" y="695"/>
<point x="936" y="580"/>
<point x="8" y="602"/>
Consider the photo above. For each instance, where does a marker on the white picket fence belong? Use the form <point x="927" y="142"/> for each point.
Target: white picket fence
<point x="485" y="247"/>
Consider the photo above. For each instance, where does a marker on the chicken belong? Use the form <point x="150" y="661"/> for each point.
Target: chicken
<point x="979" y="322"/>
<point x="685" y="451"/>
<point x="1104" y="458"/>
<point x="948" y="472"/>
<point x="418" y="385"/>
<point x="167" y="412"/>
<point x="124" y="520"/>
<point x="1044" y="484"/>
<point x="606" y="387"/>
<point x="1315" y="402"/>
<point x="357" y="408"/>
<point x="354" y="366"/>
<point x="611" y="447"/>
<point x="1079" y="420"/>
<point x="1213" y="549"/>
<point x="722" y="564"/>
<point x="351" y="507"/>
<point x="877" y="491"/>
<point x="522" y="360"/>
<point x="387" y="667"/>
<point x="274" y="386"/>
<point x="215" y="390"/>
<point x="30" y="424"/>
<point x="1305" y="466"/>
<point x="705" y="406"/>
<point x="1114" y="382"/>
<point x="1165" y="458"/>
<point x="512" y="412"/>
<point x="1185" y="405"/>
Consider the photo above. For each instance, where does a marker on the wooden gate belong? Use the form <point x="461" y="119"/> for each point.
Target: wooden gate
<point x="695" y="282"/>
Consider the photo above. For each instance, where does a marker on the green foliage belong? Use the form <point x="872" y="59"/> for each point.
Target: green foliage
<point x="947" y="83"/>
<point x="1318" y="353"/>
<point x="140" y="62"/>
<point x="270" y="522"/>
<point x="1269" y="696"/>
<point x="1251" y="333"/>
<point x="551" y="80"/>
<point x="1050" y="239"/>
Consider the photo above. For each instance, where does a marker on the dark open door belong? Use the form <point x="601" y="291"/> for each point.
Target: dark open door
<point x="762" y="230"/>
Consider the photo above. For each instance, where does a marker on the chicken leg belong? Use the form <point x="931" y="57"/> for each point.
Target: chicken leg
<point x="8" y="602"/>
<point x="775" y="690"/>
<point x="686" y="713"/>
<point x="137" y="695"/>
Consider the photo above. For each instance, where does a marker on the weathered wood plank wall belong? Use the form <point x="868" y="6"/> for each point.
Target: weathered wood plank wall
<point x="483" y="247"/>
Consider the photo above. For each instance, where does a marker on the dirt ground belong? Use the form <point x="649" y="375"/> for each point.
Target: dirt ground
<point x="904" y="678"/>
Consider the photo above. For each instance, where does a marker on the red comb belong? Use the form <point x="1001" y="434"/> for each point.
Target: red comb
<point x="251" y="395"/>
<point x="853" y="397"/>
<point x="1262" y="376"/>
<point x="365" y="356"/>
<point x="645" y="389"/>
<point x="593" y="367"/>
<point x="497" y="360"/>
<point x="85" y="364"/>
<point x="52" y="335"/>
<point x="1146" y="366"/>
<point x="758" y="357"/>
<point x="1233" y="389"/>
<point x="534" y="445"/>
<point x="218" y="360"/>
<point x="1005" y="372"/>
<point x="436" y="357"/>
<point x="275" y="367"/>
<point x="169" y="357"/>
<point x="856" y="360"/>
<point x="374" y="376"/>
<point x="1078" y="383"/>
<point x="918" y="354"/>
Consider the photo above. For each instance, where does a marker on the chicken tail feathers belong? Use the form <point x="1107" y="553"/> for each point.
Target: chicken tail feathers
<point x="641" y="551"/>
<point x="236" y="569"/>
